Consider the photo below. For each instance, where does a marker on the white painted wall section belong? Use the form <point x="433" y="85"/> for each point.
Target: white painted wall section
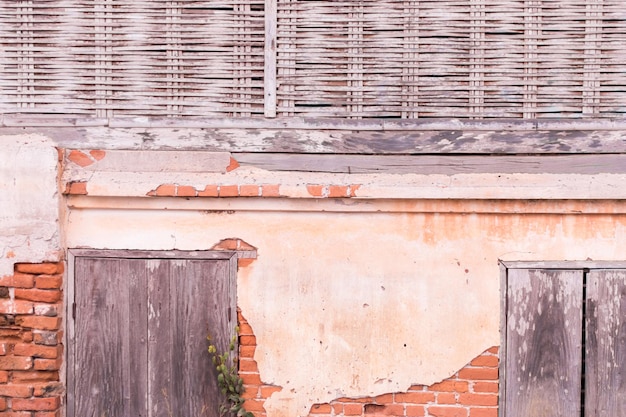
<point x="29" y="201"/>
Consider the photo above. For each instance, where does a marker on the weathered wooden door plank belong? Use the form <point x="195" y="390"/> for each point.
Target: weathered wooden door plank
<point x="109" y="364"/>
<point x="605" y="362"/>
<point x="544" y="334"/>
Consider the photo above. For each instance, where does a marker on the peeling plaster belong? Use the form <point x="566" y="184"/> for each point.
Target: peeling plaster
<point x="362" y="304"/>
<point x="29" y="205"/>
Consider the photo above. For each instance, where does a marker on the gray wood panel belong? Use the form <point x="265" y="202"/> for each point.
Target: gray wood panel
<point x="188" y="301"/>
<point x="335" y="138"/>
<point x="109" y="364"/>
<point x="435" y="164"/>
<point x="140" y="332"/>
<point x="605" y="364"/>
<point x="544" y="334"/>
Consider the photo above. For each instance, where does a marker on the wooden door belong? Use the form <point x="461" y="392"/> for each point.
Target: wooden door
<point x="605" y="361"/>
<point x="543" y="343"/>
<point x="138" y="332"/>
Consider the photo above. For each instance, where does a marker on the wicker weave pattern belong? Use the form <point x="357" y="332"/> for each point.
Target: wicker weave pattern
<point x="111" y="58"/>
<point x="468" y="59"/>
<point x="346" y="59"/>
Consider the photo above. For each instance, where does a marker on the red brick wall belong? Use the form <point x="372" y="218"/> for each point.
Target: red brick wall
<point x="471" y="392"/>
<point x="31" y="341"/>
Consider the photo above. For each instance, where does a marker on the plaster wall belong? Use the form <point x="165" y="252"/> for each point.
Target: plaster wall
<point x="29" y="201"/>
<point x="348" y="304"/>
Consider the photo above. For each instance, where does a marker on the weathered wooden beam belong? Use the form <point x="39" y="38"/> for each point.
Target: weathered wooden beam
<point x="437" y="164"/>
<point x="323" y="141"/>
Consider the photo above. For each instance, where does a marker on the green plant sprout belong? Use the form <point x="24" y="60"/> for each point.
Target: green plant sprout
<point x="228" y="380"/>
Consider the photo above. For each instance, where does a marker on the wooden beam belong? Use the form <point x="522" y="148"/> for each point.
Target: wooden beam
<point x="437" y="164"/>
<point x="322" y="141"/>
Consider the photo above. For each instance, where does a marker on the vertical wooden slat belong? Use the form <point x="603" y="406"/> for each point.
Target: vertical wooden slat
<point x="477" y="61"/>
<point x="270" y="58"/>
<point x="532" y="32"/>
<point x="543" y="342"/>
<point x="188" y="301"/>
<point x="605" y="362"/>
<point x="109" y="364"/>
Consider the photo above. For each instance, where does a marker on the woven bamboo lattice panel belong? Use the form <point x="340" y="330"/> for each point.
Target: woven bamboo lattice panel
<point x="344" y="59"/>
<point x="466" y="59"/>
<point x="114" y="58"/>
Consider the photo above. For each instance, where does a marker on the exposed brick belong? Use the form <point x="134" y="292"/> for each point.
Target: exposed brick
<point x="250" y="391"/>
<point x="316" y="190"/>
<point x="3" y="349"/>
<point x="485" y="386"/>
<point x="27" y="336"/>
<point x="450" y="386"/>
<point x="245" y="329"/>
<point x="483" y="412"/>
<point x="337" y="408"/>
<point x="16" y="390"/>
<point x="165" y="190"/>
<point x="375" y="410"/>
<point x="247" y="340"/>
<point x="4" y="377"/>
<point x="39" y="322"/>
<point x="337" y="191"/>
<point x="47" y="364"/>
<point x="247" y="365"/>
<point x="16" y="363"/>
<point x="251" y="378"/>
<point x="353" y="189"/>
<point x="45" y="338"/>
<point x="233" y="164"/>
<point x="384" y="399"/>
<point x="209" y="191"/>
<point x="34" y="376"/>
<point x="3" y="404"/>
<point x="18" y="280"/>
<point x="229" y="191"/>
<point x="450" y="411"/>
<point x="246" y="351"/>
<point x="48" y="389"/>
<point x="46" y="268"/>
<point x="15" y="414"/>
<point x="268" y="390"/>
<point x="253" y="405"/>
<point x="485" y="360"/>
<point x="186" y="191"/>
<point x="270" y="190"/>
<point x="36" y="351"/>
<point x="76" y="188"/>
<point x="97" y="154"/>
<point x="484" y="374"/>
<point x="36" y="404"/>
<point x="249" y="191"/>
<point x="79" y="158"/>
<point x="321" y="409"/>
<point x="478" y="399"/>
<point x="493" y="350"/>
<point x="49" y="282"/>
<point x="33" y="294"/>
<point x="8" y="306"/>
<point x="4" y="292"/>
<point x="446" y="398"/>
<point x="352" y="409"/>
<point x="415" y="397"/>
<point x="49" y="310"/>
<point x="415" y="411"/>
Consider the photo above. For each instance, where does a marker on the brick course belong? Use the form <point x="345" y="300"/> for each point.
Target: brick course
<point x="30" y="341"/>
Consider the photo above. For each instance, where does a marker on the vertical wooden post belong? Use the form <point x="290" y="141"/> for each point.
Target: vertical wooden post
<point x="270" y="58"/>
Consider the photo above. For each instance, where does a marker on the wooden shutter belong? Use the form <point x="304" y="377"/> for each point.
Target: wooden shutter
<point x="138" y="345"/>
<point x="605" y="362"/>
<point x="543" y="343"/>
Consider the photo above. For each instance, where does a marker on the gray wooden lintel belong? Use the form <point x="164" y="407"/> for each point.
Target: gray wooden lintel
<point x="437" y="164"/>
<point x="334" y="141"/>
